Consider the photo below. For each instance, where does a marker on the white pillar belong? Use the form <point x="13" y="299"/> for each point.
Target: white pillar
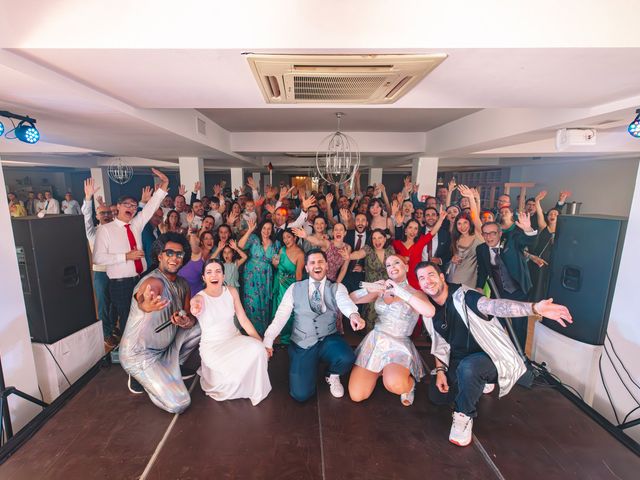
<point x="375" y="176"/>
<point x="192" y="171"/>
<point x="101" y="177"/>
<point x="237" y="179"/>
<point x="424" y="171"/>
<point x="15" y="341"/>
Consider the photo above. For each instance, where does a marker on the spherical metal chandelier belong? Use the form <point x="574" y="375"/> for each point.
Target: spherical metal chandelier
<point x="338" y="157"/>
<point x="119" y="171"/>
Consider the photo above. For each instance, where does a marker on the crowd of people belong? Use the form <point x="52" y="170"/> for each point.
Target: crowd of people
<point x="301" y="268"/>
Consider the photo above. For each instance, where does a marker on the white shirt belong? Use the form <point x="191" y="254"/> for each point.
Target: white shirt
<point x="434" y="247"/>
<point x="51" y="206"/>
<point x="298" y="223"/>
<point x="71" y="207"/>
<point x="40" y="205"/>
<point x="345" y="305"/>
<point x="90" y="230"/>
<point x="112" y="242"/>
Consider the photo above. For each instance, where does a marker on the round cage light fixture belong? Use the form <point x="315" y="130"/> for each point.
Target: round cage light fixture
<point x="119" y="171"/>
<point x="338" y="157"/>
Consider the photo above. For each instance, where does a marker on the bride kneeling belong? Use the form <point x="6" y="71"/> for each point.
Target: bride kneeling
<point x="233" y="365"/>
<point x="387" y="351"/>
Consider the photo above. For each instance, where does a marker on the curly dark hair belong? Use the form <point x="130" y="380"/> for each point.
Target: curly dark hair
<point x="161" y="242"/>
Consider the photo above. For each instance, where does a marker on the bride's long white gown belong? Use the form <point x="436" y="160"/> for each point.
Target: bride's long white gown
<point x="233" y="365"/>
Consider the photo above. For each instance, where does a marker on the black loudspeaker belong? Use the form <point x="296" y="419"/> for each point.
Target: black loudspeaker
<point x="584" y="269"/>
<point x="53" y="260"/>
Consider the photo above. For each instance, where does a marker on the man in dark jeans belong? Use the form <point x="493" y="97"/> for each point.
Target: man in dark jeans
<point x="471" y="348"/>
<point x="119" y="247"/>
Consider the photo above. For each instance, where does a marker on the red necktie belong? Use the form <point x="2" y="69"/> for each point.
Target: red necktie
<point x="134" y="246"/>
<point x="359" y="242"/>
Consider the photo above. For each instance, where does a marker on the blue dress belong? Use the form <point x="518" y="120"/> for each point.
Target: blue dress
<point x="257" y="294"/>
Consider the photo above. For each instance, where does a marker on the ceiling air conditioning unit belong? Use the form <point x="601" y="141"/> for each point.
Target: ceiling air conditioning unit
<point x="575" y="137"/>
<point x="359" y="79"/>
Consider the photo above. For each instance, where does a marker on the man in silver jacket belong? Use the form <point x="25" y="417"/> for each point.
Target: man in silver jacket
<point x="471" y="348"/>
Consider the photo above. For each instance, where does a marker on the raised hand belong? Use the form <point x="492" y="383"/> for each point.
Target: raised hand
<point x="345" y="215"/>
<point x="152" y="302"/>
<point x="233" y="244"/>
<point x="251" y="224"/>
<point x="260" y="201"/>
<point x="90" y="188"/>
<point x="232" y="218"/>
<point x="270" y="208"/>
<point x="377" y="189"/>
<point x="329" y="198"/>
<point x="553" y="311"/>
<point x="99" y="199"/>
<point x="145" y="196"/>
<point x="299" y="232"/>
<point x="344" y="253"/>
<point x="284" y="191"/>
<point x="564" y="194"/>
<point x="182" y="190"/>
<point x="524" y="222"/>
<point x="251" y="183"/>
<point x="308" y="202"/>
<point x="540" y="196"/>
<point x="164" y="180"/>
<point x="236" y="192"/>
<point x="465" y="191"/>
<point x="452" y="184"/>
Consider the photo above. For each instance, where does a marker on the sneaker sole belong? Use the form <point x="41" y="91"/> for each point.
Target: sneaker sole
<point x="187" y="377"/>
<point x="460" y="444"/>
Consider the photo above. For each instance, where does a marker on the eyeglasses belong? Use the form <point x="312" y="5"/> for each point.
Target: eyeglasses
<point x="129" y="205"/>
<point x="487" y="234"/>
<point x="170" y="253"/>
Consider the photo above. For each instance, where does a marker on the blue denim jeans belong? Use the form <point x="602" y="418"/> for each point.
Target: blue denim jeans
<point x="303" y="364"/>
<point x="103" y="300"/>
<point x="466" y="379"/>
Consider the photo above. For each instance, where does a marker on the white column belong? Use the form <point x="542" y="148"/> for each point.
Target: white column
<point x="237" y="179"/>
<point x="192" y="171"/>
<point x="424" y="171"/>
<point x="101" y="177"/>
<point x="15" y="341"/>
<point x="375" y="176"/>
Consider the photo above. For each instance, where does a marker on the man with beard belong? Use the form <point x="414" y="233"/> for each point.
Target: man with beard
<point x="315" y="303"/>
<point x="152" y="355"/>
<point x="119" y="246"/>
<point x="357" y="239"/>
<point x="471" y="348"/>
<point x="438" y="250"/>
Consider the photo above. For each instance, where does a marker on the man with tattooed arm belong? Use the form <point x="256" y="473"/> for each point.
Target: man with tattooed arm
<point x="471" y="348"/>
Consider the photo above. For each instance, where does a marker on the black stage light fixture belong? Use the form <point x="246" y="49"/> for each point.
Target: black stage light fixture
<point x="26" y="130"/>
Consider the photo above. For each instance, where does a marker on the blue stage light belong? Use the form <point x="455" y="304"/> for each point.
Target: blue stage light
<point x="634" y="127"/>
<point x="27" y="132"/>
<point x="1" y="129"/>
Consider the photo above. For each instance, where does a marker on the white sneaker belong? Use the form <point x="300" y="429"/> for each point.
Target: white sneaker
<point x="407" y="398"/>
<point x="461" y="429"/>
<point x="488" y="388"/>
<point x="335" y="387"/>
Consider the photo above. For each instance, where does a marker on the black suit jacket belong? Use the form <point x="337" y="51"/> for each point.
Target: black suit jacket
<point x="352" y="279"/>
<point x="512" y="255"/>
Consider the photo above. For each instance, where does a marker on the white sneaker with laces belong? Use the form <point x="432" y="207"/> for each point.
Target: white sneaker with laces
<point x="461" y="429"/>
<point x="488" y="388"/>
<point x="335" y="387"/>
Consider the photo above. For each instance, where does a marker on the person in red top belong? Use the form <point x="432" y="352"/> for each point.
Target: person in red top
<point x="412" y="245"/>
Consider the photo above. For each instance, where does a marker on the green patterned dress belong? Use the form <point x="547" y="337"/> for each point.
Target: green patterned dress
<point x="285" y="277"/>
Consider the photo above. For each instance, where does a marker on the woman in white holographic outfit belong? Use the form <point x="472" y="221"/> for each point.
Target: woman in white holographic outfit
<point x="387" y="351"/>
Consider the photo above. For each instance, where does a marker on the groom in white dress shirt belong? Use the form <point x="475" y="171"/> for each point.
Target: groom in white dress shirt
<point x="315" y="303"/>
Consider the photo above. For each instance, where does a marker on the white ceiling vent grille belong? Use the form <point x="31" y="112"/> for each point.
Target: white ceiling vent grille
<point x="364" y="79"/>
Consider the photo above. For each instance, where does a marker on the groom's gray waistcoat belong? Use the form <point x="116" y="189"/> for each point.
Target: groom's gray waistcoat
<point x="308" y="326"/>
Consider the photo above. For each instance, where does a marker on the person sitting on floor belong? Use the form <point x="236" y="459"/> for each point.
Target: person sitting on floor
<point x="233" y="365"/>
<point x="315" y="303"/>
<point x="470" y="346"/>
<point x="153" y="359"/>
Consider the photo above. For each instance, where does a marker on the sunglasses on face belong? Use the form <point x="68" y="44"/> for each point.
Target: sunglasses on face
<point x="170" y="253"/>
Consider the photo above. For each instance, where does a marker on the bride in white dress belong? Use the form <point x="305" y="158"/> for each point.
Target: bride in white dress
<point x="233" y="365"/>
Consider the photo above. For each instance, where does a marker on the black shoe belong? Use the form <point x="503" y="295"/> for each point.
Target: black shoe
<point x="187" y="372"/>
<point x="134" y="386"/>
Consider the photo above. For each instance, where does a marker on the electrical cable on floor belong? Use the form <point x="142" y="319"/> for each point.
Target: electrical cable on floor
<point x="626" y="417"/>
<point x="555" y="377"/>
<point x="621" y="363"/>
<point x="619" y="376"/>
<point x="54" y="359"/>
<point x="604" y="384"/>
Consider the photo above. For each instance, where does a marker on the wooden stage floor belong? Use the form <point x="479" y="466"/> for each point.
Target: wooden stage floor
<point x="104" y="432"/>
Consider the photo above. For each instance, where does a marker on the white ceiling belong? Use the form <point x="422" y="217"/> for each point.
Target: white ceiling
<point x="117" y="82"/>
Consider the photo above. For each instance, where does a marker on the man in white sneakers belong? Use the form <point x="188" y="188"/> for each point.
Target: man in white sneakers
<point x="315" y="304"/>
<point x="471" y="348"/>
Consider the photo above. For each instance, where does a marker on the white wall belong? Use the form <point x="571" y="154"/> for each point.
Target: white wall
<point x="603" y="186"/>
<point x="15" y="342"/>
<point x="624" y="327"/>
